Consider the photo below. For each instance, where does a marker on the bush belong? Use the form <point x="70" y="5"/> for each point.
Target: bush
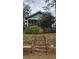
<point x="31" y="30"/>
<point x="27" y="40"/>
<point x="47" y="20"/>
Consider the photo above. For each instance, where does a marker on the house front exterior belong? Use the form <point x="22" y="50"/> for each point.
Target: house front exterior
<point x="33" y="19"/>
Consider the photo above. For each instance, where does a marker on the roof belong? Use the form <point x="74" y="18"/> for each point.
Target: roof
<point x="39" y="12"/>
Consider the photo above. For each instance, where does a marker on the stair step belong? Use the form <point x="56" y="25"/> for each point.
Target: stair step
<point x="39" y="40"/>
<point x="39" y="50"/>
<point x="39" y="44"/>
<point x="40" y="47"/>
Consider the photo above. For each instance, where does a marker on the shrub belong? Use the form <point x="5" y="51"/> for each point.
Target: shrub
<point x="27" y="40"/>
<point x="31" y="30"/>
<point x="47" y="20"/>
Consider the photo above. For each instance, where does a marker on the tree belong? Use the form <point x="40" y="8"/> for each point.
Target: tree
<point x="26" y="11"/>
<point x="49" y="4"/>
<point x="46" y="21"/>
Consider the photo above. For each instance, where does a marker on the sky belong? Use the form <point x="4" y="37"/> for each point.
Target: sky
<point x="36" y="5"/>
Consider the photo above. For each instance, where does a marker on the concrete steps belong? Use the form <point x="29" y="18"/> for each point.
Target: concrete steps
<point x="39" y="44"/>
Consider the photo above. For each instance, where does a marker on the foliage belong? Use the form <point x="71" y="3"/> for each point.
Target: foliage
<point x="31" y="30"/>
<point x="49" y="4"/>
<point x="47" y="20"/>
<point x="27" y="40"/>
<point x="24" y="27"/>
<point x="26" y="11"/>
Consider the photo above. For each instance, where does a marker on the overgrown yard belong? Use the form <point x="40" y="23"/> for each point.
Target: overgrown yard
<point x="51" y="40"/>
<point x="50" y="37"/>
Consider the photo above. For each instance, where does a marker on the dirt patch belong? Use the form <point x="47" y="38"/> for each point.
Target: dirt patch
<point x="28" y="54"/>
<point x="39" y="56"/>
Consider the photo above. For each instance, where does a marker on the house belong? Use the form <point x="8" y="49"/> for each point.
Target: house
<point x="33" y="19"/>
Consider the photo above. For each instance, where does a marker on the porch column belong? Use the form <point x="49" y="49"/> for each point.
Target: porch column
<point x="26" y="22"/>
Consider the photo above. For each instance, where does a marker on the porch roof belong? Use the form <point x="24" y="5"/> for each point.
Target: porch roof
<point x="34" y="19"/>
